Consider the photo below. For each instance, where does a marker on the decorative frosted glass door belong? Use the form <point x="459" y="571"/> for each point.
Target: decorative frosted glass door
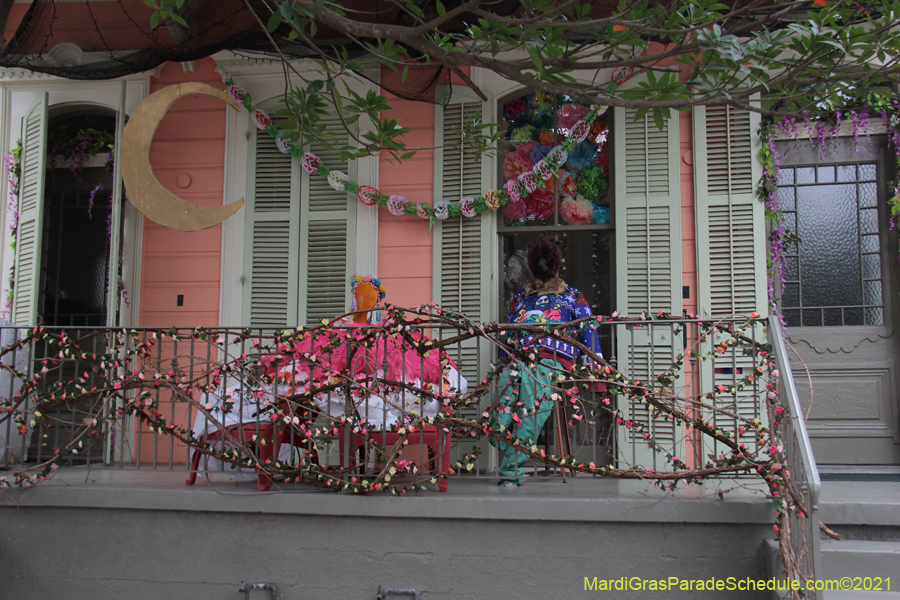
<point x="839" y="298"/>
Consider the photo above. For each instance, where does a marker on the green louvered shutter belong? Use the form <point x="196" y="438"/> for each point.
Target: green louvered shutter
<point x="648" y="257"/>
<point x="328" y="240"/>
<point x="730" y="221"/>
<point x="31" y="215"/>
<point x="731" y="262"/>
<point x="272" y="230"/>
<point x="300" y="236"/>
<point x="462" y="250"/>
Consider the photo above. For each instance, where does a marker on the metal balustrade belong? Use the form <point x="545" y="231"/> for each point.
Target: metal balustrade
<point x="640" y="350"/>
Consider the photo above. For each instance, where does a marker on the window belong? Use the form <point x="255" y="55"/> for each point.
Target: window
<point x="834" y="277"/>
<point x="574" y="205"/>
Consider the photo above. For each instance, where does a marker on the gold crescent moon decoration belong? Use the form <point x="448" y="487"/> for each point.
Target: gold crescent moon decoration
<point x="145" y="191"/>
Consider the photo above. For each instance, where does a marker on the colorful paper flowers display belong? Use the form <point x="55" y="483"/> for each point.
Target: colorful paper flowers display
<point x="577" y="142"/>
<point x="310" y="162"/>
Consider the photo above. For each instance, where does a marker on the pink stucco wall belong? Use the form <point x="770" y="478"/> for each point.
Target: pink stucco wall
<point x="190" y="141"/>
<point x="404" y="243"/>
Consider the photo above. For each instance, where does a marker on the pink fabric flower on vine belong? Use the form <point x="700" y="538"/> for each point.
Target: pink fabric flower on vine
<point x="422" y="210"/>
<point x="577" y="211"/>
<point x="569" y="114"/>
<point x="514" y="210"/>
<point x="396" y="205"/>
<point x="543" y="170"/>
<point x="467" y="206"/>
<point x="311" y="163"/>
<point x="540" y="203"/>
<point x="514" y="164"/>
<point x="237" y="92"/>
<point x="261" y="118"/>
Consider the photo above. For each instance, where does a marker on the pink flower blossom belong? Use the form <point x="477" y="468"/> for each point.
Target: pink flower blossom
<point x="540" y="203"/>
<point x="396" y="205"/>
<point x="515" y="164"/>
<point x="569" y="114"/>
<point x="311" y="163"/>
<point x="577" y="211"/>
<point x="467" y="206"/>
<point x="237" y="92"/>
<point x="514" y="210"/>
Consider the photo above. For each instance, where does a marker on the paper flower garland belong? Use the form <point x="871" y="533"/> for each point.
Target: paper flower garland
<point x="524" y="177"/>
<point x="441" y="209"/>
<point x="338" y="180"/>
<point x="366" y="195"/>
<point x="467" y="207"/>
<point x="261" y="119"/>
<point x="396" y="205"/>
<point x="284" y="145"/>
<point x="310" y="162"/>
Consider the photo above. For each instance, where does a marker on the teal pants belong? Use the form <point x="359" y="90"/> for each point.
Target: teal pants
<point x="518" y="384"/>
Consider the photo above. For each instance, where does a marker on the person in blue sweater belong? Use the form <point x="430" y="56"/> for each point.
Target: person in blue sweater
<point x="524" y="403"/>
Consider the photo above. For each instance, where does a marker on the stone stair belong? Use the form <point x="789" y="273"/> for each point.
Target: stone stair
<point x="866" y="512"/>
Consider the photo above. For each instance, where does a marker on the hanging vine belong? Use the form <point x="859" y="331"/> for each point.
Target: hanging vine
<point x="821" y="130"/>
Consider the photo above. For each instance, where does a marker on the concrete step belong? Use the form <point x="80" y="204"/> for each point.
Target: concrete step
<point x="861" y="558"/>
<point x="850" y="558"/>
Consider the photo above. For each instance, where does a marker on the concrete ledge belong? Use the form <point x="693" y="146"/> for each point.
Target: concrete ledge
<point x="582" y="499"/>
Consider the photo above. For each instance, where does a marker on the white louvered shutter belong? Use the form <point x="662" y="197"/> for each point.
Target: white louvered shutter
<point x="31" y="215"/>
<point x="300" y="245"/>
<point x="273" y="236"/>
<point x="731" y="241"/>
<point x="328" y="240"/>
<point x="648" y="269"/>
<point x="462" y="266"/>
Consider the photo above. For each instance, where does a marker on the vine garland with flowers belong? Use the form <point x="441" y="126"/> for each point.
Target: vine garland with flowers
<point x="821" y="130"/>
<point x="127" y="379"/>
<point x="513" y="192"/>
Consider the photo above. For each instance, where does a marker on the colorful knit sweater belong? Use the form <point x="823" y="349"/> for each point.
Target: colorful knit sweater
<point x="555" y="302"/>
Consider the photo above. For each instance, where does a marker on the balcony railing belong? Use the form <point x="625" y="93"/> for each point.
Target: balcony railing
<point x="685" y="399"/>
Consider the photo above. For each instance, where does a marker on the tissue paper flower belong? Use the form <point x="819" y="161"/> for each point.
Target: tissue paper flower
<point x="576" y="211"/>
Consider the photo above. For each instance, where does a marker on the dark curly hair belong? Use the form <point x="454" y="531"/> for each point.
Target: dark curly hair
<point x="544" y="258"/>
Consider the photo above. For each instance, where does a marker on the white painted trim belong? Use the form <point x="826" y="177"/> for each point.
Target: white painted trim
<point x="232" y="262"/>
<point x="64" y="92"/>
<point x="367" y="172"/>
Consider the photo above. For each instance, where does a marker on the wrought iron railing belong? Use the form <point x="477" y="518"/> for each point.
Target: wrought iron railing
<point x="639" y="349"/>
